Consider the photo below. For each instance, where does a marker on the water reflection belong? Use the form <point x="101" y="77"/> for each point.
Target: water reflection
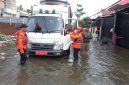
<point x="75" y="74"/>
<point x="98" y="65"/>
<point x="22" y="76"/>
<point x="105" y="65"/>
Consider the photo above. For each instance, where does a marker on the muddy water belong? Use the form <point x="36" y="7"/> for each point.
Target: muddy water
<point x="98" y="65"/>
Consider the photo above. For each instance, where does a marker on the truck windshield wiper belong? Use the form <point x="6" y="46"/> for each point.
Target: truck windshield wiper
<point x="40" y="32"/>
<point x="54" y="31"/>
<point x="29" y="31"/>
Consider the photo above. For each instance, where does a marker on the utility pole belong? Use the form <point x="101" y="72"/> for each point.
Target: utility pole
<point x="31" y="9"/>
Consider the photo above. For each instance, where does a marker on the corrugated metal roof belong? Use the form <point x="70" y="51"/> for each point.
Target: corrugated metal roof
<point x="106" y="12"/>
<point x="123" y="2"/>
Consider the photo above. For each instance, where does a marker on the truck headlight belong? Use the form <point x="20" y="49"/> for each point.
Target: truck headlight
<point x="58" y="46"/>
<point x="29" y="45"/>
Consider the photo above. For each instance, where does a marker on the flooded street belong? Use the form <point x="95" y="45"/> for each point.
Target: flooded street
<point x="99" y="65"/>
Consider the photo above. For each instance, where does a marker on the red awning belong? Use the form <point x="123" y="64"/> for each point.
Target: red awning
<point x="107" y="12"/>
<point x="123" y="2"/>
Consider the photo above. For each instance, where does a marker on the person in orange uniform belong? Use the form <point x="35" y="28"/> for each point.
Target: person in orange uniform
<point x="16" y="35"/>
<point x="77" y="41"/>
<point x="22" y="43"/>
<point x="81" y="31"/>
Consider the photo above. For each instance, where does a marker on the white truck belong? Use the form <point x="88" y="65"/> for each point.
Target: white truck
<point x="51" y="38"/>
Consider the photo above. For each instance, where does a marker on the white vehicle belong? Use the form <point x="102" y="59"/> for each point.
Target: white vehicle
<point x="64" y="10"/>
<point x="50" y="39"/>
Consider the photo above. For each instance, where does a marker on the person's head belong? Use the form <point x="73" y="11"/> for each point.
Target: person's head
<point x="79" y="30"/>
<point x="37" y="25"/>
<point x="23" y="27"/>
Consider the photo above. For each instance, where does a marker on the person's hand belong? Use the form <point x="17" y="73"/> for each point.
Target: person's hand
<point x="21" y="51"/>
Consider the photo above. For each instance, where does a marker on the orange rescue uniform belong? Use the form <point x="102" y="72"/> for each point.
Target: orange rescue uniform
<point x="77" y="40"/>
<point x="22" y="41"/>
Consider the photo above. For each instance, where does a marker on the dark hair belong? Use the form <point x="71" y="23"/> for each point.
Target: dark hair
<point x="23" y="26"/>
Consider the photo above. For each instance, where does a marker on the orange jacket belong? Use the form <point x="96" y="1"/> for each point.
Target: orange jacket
<point x="16" y="35"/>
<point x="21" y="41"/>
<point x="77" y="40"/>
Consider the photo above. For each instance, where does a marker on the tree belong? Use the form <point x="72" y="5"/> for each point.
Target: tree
<point x="79" y="11"/>
<point x="20" y="8"/>
<point x="86" y="21"/>
<point x="29" y="10"/>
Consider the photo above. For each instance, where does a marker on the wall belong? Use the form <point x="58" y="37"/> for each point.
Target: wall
<point x="122" y="29"/>
<point x="7" y="29"/>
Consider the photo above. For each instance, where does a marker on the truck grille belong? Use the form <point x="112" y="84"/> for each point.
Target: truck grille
<point x="42" y="46"/>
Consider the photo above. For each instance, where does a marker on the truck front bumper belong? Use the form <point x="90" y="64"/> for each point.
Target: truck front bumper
<point x="49" y="52"/>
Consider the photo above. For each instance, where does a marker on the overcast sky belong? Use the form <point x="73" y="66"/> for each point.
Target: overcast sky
<point x="90" y="6"/>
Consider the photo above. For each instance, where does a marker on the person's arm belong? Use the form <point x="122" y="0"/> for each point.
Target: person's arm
<point x="75" y="36"/>
<point x="119" y="37"/>
<point x="72" y="35"/>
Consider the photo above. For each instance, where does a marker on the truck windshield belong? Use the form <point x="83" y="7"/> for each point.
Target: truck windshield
<point x="45" y="24"/>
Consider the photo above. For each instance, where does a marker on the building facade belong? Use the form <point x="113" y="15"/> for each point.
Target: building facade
<point x="1" y="6"/>
<point x="8" y="8"/>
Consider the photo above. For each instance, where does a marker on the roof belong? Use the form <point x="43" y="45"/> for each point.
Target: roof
<point x="123" y="2"/>
<point x="107" y="12"/>
<point x="115" y="7"/>
<point x="120" y="5"/>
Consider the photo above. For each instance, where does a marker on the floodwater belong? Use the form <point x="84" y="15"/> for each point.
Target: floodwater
<point x="98" y="65"/>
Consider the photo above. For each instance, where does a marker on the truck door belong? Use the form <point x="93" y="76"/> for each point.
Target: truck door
<point x="67" y="29"/>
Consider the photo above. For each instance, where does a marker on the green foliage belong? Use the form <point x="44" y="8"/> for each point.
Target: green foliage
<point x="29" y="10"/>
<point x="79" y="11"/>
<point x="1" y="37"/>
<point x="13" y="42"/>
<point x="86" y="21"/>
<point x="79" y="5"/>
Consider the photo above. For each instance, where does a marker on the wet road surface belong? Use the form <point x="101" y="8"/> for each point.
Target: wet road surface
<point x="99" y="65"/>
